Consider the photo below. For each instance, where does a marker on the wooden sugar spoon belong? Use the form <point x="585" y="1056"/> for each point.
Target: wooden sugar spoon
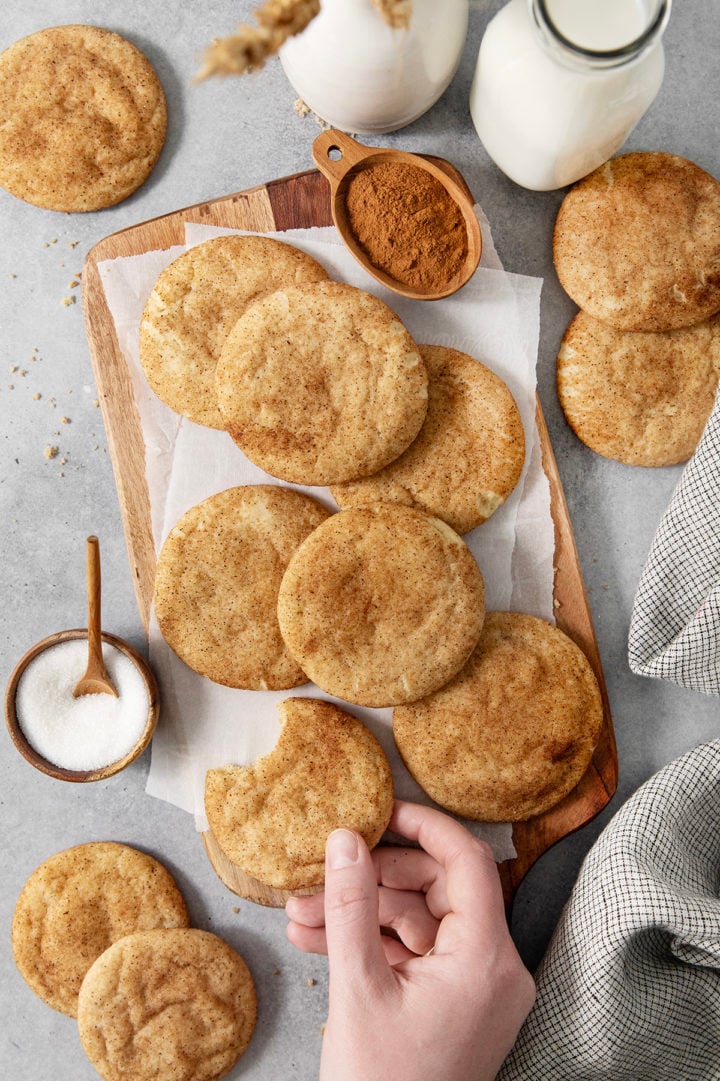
<point x="96" y="679"/>
<point x="338" y="157"/>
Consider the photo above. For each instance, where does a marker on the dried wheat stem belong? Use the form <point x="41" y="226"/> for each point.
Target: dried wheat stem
<point x="396" y="13"/>
<point x="249" y="47"/>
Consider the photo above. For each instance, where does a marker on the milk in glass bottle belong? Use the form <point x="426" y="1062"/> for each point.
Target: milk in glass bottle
<point x="560" y="84"/>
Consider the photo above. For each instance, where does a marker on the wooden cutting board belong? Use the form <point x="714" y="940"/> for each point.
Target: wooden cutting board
<point x="293" y="202"/>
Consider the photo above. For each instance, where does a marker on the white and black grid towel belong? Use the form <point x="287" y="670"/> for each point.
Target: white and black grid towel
<point x="630" y="987"/>
<point x="675" y="626"/>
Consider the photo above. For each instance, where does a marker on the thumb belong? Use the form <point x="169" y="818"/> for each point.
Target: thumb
<point x="352" y="927"/>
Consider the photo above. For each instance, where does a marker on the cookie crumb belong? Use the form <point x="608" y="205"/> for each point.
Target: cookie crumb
<point x="37" y="396"/>
<point x="67" y="301"/>
<point x="73" y="243"/>
<point x="96" y="403"/>
<point x="65" y="420"/>
<point x="311" y="982"/>
<point x="13" y="368"/>
<point x="556" y="603"/>
<point x="73" y="284"/>
<point x="300" y="107"/>
<point x="277" y="972"/>
<point x="235" y="909"/>
<point x="51" y="452"/>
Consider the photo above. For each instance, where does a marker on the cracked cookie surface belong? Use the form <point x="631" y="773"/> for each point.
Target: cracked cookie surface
<point x="194" y="304"/>
<point x="640" y="398"/>
<point x="513" y="732"/>
<point x="80" y="901"/>
<point x="84" y="118"/>
<point x="382" y="604"/>
<point x="217" y="581"/>
<point x="174" y="1005"/>
<point x="468" y="455"/>
<point x="321" y="383"/>
<point x="636" y="243"/>
<point x="326" y="771"/>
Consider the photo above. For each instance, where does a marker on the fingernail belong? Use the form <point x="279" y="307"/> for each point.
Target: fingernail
<point x="342" y="849"/>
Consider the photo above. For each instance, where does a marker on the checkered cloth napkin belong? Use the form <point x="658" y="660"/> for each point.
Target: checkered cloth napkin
<point x="630" y="987"/>
<point x="675" y="626"/>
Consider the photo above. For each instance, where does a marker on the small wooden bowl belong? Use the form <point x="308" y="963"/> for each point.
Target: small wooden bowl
<point x="351" y="157"/>
<point x="37" y="760"/>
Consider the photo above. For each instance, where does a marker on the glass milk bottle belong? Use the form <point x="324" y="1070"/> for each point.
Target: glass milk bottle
<point x="560" y="84"/>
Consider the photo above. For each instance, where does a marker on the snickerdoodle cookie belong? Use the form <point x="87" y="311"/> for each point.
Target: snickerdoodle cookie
<point x="83" y="118"/>
<point x="468" y="455"/>
<point x="196" y="301"/>
<point x="641" y="398"/>
<point x="327" y="771"/>
<point x="321" y="383"/>
<point x="78" y="902"/>
<point x="637" y="243"/>
<point x="514" y="732"/>
<point x="172" y="1005"/>
<point x="381" y="604"/>
<point x="217" y="581"/>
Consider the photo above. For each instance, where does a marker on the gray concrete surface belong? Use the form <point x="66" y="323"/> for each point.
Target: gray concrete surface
<point x="225" y="136"/>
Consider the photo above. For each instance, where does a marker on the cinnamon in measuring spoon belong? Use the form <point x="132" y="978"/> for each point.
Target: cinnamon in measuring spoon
<point x="407" y="224"/>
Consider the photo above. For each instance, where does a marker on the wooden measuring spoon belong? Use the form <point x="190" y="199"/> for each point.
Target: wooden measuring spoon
<point x="96" y="679"/>
<point x="339" y="157"/>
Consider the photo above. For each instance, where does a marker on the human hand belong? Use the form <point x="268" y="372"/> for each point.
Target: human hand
<point x="445" y="1000"/>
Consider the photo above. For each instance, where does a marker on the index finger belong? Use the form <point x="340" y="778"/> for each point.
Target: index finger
<point x="472" y="881"/>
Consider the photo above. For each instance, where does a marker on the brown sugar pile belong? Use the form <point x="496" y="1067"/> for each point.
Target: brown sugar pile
<point x="407" y="224"/>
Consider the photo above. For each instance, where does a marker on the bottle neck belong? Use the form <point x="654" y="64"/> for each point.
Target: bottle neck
<point x="599" y="34"/>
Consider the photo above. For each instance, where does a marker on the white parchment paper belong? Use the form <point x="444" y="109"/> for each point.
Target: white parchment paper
<point x="494" y="318"/>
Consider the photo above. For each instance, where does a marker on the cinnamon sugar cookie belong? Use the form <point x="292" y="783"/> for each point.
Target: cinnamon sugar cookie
<point x="172" y="1005"/>
<point x="381" y="604"/>
<point x="195" y="303"/>
<point x="80" y="901"/>
<point x="326" y="771"/>
<point x="321" y="383"/>
<point x="84" y="118"/>
<point x="217" y="580"/>
<point x="640" y="398"/>
<point x="637" y="243"/>
<point x="515" y="730"/>
<point x="468" y="455"/>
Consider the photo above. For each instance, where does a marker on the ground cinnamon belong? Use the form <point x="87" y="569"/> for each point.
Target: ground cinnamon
<point x="407" y="223"/>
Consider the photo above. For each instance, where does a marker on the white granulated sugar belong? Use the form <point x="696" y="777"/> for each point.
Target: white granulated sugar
<point x="83" y="733"/>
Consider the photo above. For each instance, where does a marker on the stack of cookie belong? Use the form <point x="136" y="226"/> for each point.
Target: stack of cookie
<point x="382" y="604"/>
<point x="320" y="383"/>
<point x="101" y="933"/>
<point x="637" y="247"/>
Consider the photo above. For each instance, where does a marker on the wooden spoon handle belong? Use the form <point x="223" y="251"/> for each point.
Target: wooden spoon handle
<point x="95" y="660"/>
<point x="350" y="153"/>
